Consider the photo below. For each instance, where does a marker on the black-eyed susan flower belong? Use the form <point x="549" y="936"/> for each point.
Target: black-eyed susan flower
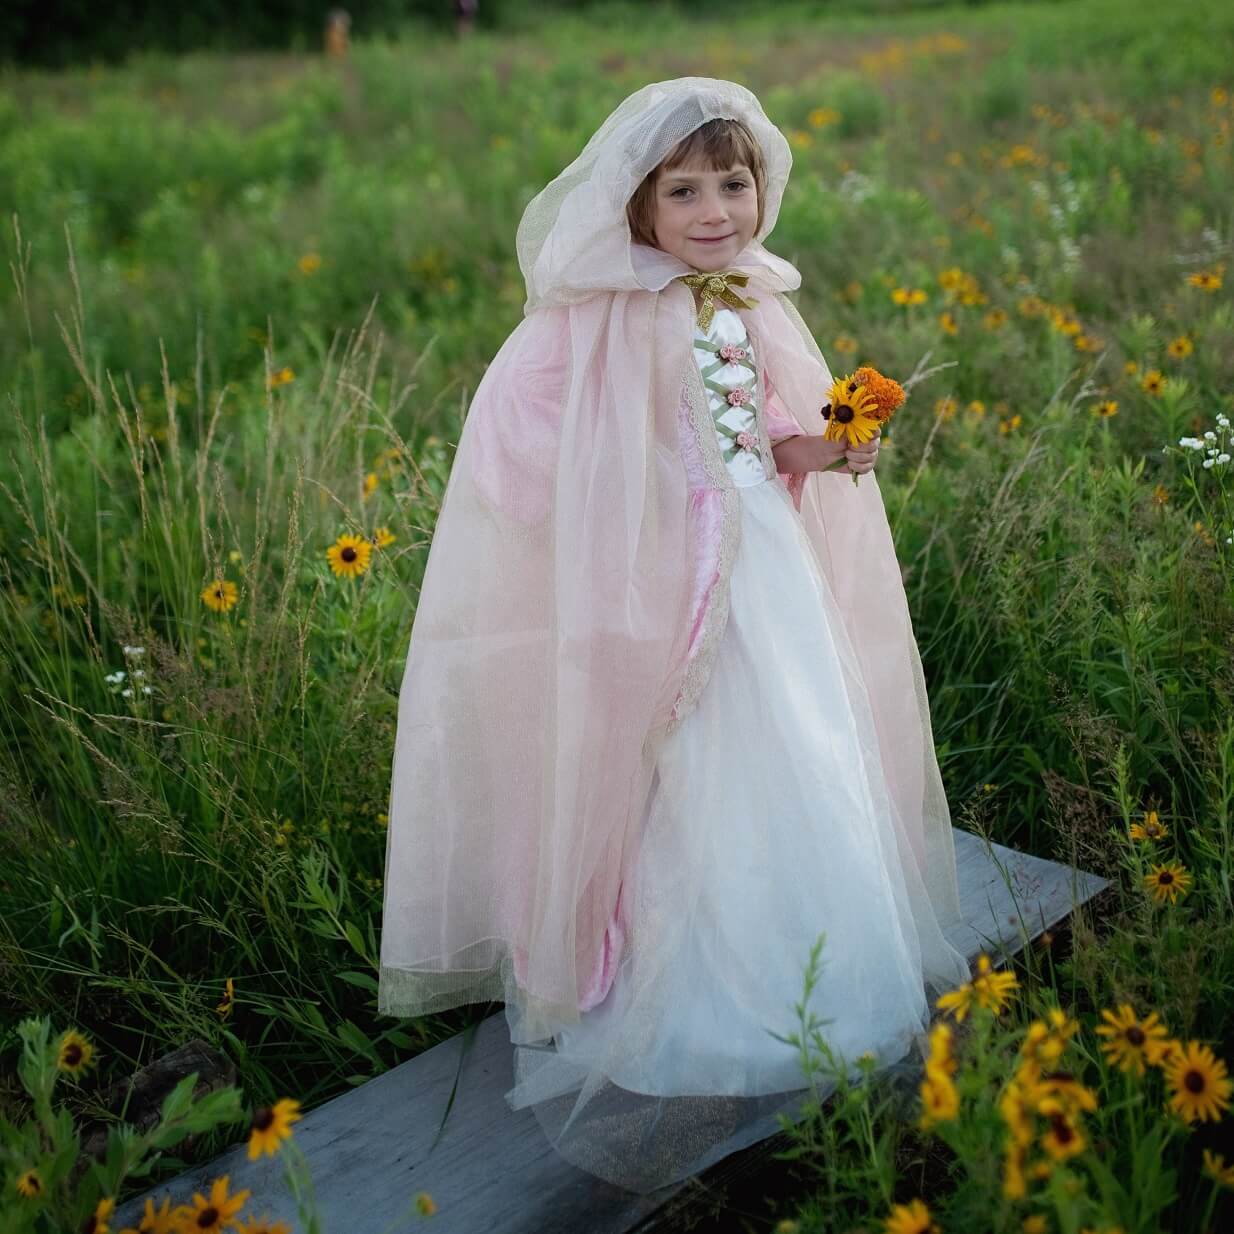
<point x="851" y="413"/>
<point x="908" y="296"/>
<point x="226" y="1006"/>
<point x="370" y="484"/>
<point x="976" y="407"/>
<point x="948" y="322"/>
<point x="1161" y="494"/>
<point x="220" y="595"/>
<point x="74" y="1053"/>
<point x="959" y="1001"/>
<point x="1015" y="1156"/>
<point x="822" y="116"/>
<point x="1131" y="368"/>
<point x="911" y="1218"/>
<point x="271" y="1126"/>
<point x="945" y="407"/>
<point x="992" y="988"/>
<point x="310" y="263"/>
<point x="1152" y="828"/>
<point x="1180" y="348"/>
<point x="349" y="555"/>
<point x="845" y="344"/>
<point x="424" y="1204"/>
<point x="1107" y="408"/>
<point x="208" y="1215"/>
<point x="1086" y="342"/>
<point x="1205" y="280"/>
<point x="1198" y="1082"/>
<point x="940" y="1101"/>
<point x="1131" y="1043"/>
<point x="1063" y="1138"/>
<point x="1010" y="424"/>
<point x="1216" y="1168"/>
<point x="29" y="1185"/>
<point x="1167" y="881"/>
<point x="1035" y="1223"/>
<point x="1045" y="1040"/>
<point x="280" y="377"/>
<point x="995" y="319"/>
<point x="99" y="1221"/>
<point x="383" y="537"/>
<point x="164" y="1220"/>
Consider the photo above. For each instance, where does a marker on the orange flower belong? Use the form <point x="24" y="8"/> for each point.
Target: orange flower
<point x="888" y="394"/>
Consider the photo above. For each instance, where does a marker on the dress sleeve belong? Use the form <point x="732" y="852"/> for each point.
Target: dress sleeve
<point x="781" y="425"/>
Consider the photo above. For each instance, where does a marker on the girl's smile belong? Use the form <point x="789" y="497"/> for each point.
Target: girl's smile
<point x="705" y="217"/>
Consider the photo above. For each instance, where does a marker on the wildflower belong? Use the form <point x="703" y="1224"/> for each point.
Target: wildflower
<point x="976" y="408"/>
<point x="221" y="1209"/>
<point x="1198" y="1082"/>
<point x="221" y="595"/>
<point x="850" y="412"/>
<point x="271" y="1126"/>
<point x="425" y="1204"/>
<point x="349" y="555"/>
<point x="1131" y="368"/>
<point x="1009" y="426"/>
<point x="1161" y="494"/>
<point x="1014" y="1187"/>
<point x="1205" y="280"/>
<point x="1153" y="381"/>
<point x="845" y="344"/>
<point x="280" y="377"/>
<point x="940" y="1101"/>
<point x="1216" y="1168"/>
<point x="1130" y="1042"/>
<point x="370" y="484"/>
<point x="310" y="263"/>
<point x="1086" y="342"/>
<point x="945" y="407"/>
<point x="263" y="1225"/>
<point x="1107" y="409"/>
<point x="1152" y="828"/>
<point x="911" y="1218"/>
<point x="1045" y="1040"/>
<point x="1181" y="347"/>
<point x="164" y="1221"/>
<point x="75" y="1053"/>
<point x="959" y="1001"/>
<point x="1035" y="1223"/>
<point x="29" y="1184"/>
<point x="1063" y="1139"/>
<point x="948" y="322"/>
<point x="1167" y="881"/>
<point x="98" y="1221"/>
<point x="821" y="116"/>
<point x="995" y="319"/>
<point x="908" y="295"/>
<point x="383" y="537"/>
<point x="801" y="139"/>
<point x="991" y="988"/>
<point x="224" y="1008"/>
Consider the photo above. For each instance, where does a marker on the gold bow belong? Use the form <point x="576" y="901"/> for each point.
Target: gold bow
<point x="717" y="287"/>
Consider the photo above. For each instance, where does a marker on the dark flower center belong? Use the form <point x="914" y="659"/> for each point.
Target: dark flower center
<point x="843" y="413"/>
<point x="348" y="554"/>
<point x="1193" y="1082"/>
<point x="72" y="1055"/>
<point x="208" y="1218"/>
<point x="263" y="1118"/>
<point x="826" y="409"/>
<point x="1135" y="1034"/>
<point x="1166" y="878"/>
<point x="1061" y="1128"/>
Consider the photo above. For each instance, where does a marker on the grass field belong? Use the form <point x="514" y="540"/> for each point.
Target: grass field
<point x="249" y="300"/>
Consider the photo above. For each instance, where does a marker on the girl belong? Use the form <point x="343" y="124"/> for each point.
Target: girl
<point x="663" y="721"/>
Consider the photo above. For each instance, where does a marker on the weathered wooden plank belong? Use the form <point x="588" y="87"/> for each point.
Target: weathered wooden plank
<point x="493" y="1171"/>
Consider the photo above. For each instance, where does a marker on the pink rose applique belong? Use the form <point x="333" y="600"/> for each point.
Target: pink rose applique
<point x="731" y="353"/>
<point x="746" y="441"/>
<point x="738" y="397"/>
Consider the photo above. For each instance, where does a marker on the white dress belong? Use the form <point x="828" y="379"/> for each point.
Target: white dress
<point x="761" y="833"/>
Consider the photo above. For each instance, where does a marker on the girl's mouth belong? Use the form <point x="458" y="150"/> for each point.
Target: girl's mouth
<point x="713" y="239"/>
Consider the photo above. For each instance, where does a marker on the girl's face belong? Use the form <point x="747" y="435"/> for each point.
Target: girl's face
<point x="705" y="217"/>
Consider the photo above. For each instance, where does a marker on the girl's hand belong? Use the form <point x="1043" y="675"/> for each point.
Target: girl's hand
<point x="861" y="458"/>
<point x="857" y="460"/>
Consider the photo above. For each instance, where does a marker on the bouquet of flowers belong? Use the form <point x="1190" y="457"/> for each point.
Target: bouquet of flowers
<point x="857" y="406"/>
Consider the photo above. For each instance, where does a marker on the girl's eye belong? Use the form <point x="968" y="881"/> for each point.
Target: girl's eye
<point x="740" y="184"/>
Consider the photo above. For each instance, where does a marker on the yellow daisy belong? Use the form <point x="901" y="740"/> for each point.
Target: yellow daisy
<point x="29" y="1184"/>
<point x="349" y="555"/>
<point x="224" y="1008"/>
<point x="911" y="1218"/>
<point x="1130" y="1042"/>
<point x="1216" y="1168"/>
<point x="849" y="412"/>
<point x="992" y="987"/>
<point x="1063" y="1139"/>
<point x="1152" y="828"/>
<point x="383" y="537"/>
<point x="263" y="1225"/>
<point x="271" y="1126"/>
<point x="280" y="377"/>
<point x="1035" y="1223"/>
<point x="425" y="1204"/>
<point x="1153" y="382"/>
<point x="210" y="1215"/>
<point x="99" y="1221"/>
<point x="1180" y="347"/>
<point x="165" y="1220"/>
<point x="310" y="263"/>
<point x="220" y="595"/>
<point x="1107" y="409"/>
<point x="940" y="1102"/>
<point x="75" y="1053"/>
<point x="1205" y="280"/>
<point x="1167" y="881"/>
<point x="1161" y="494"/>
<point x="959" y="1001"/>
<point x="1198" y="1082"/>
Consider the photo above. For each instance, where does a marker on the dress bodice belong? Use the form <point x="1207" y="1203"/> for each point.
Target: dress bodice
<point x="729" y="371"/>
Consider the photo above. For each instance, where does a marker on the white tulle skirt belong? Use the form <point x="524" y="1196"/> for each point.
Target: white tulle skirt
<point x="766" y="827"/>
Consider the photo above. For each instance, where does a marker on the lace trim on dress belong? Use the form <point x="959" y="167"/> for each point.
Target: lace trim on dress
<point x="698" y="669"/>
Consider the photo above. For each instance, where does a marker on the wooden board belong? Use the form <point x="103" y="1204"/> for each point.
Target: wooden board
<point x="493" y="1171"/>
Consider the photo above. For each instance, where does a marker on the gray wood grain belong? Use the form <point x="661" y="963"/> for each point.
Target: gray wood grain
<point x="493" y="1171"/>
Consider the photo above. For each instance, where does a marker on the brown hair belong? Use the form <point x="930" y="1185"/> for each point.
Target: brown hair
<point x="718" y="145"/>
